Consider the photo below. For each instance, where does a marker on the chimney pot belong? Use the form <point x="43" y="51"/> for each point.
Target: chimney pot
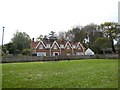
<point x="33" y="39"/>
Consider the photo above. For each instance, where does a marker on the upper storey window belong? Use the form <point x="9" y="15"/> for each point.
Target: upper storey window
<point x="73" y="46"/>
<point x="41" y="46"/>
<point x="68" y="47"/>
<point x="48" y="45"/>
<point x="79" y="47"/>
<point x="55" y="46"/>
<point x="62" y="46"/>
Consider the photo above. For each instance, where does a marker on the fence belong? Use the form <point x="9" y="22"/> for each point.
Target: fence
<point x="10" y="59"/>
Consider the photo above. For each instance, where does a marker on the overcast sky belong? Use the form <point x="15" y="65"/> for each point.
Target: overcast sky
<point x="37" y="17"/>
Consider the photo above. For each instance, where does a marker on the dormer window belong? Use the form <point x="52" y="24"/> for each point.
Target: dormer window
<point x="79" y="47"/>
<point x="73" y="46"/>
<point x="41" y="46"/>
<point x="55" y="46"/>
<point x="68" y="47"/>
<point x="61" y="45"/>
<point x="47" y="45"/>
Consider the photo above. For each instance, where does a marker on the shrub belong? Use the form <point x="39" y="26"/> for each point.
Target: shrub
<point x="17" y="52"/>
<point x="26" y="51"/>
<point x="34" y="54"/>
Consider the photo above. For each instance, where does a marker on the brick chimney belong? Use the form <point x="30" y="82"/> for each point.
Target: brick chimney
<point x="32" y="39"/>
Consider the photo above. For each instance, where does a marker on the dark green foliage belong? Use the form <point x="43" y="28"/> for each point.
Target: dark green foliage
<point x="52" y="36"/>
<point x="11" y="47"/>
<point x="76" y="34"/>
<point x="21" y="40"/>
<point x="91" y="31"/>
<point x="86" y="35"/>
<point x="100" y="44"/>
<point x="91" y="34"/>
<point x="40" y="38"/>
<point x="34" y="54"/>
<point x="111" y="30"/>
<point x="4" y="49"/>
<point x="26" y="51"/>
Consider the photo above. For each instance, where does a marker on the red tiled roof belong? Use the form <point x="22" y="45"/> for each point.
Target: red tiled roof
<point x="34" y="44"/>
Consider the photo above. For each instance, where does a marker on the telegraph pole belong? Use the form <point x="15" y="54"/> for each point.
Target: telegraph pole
<point x="119" y="12"/>
<point x="3" y="36"/>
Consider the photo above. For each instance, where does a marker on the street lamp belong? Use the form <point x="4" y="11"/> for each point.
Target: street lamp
<point x="3" y="36"/>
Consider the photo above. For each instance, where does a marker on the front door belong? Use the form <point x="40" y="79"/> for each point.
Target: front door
<point x="55" y="53"/>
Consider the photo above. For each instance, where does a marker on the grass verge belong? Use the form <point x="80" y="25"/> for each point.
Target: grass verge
<point x="92" y="73"/>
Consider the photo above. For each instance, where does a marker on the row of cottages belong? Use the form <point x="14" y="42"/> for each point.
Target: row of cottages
<point x="48" y="48"/>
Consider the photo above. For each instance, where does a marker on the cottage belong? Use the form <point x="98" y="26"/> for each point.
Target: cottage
<point x="54" y="48"/>
<point x="89" y="52"/>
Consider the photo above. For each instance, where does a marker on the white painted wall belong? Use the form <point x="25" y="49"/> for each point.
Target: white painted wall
<point x="79" y="53"/>
<point x="89" y="52"/>
<point x="41" y="54"/>
<point x="55" y="53"/>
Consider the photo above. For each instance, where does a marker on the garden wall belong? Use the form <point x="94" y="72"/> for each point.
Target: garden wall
<point x="10" y="59"/>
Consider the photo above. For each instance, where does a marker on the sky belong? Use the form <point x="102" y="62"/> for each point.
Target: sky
<point x="37" y="17"/>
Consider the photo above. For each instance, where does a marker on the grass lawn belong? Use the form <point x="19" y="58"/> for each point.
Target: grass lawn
<point x="91" y="73"/>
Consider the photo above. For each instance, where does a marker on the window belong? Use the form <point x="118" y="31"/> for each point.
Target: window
<point x="41" y="54"/>
<point x="79" y="53"/>
<point x="55" y="47"/>
<point x="68" y="54"/>
<point x="68" y="47"/>
<point x="73" y="46"/>
<point x="79" y="47"/>
<point x="48" y="45"/>
<point x="41" y="46"/>
<point x="62" y="46"/>
<point x="55" y="53"/>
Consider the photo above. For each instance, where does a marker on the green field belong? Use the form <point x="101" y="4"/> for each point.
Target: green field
<point x="91" y="73"/>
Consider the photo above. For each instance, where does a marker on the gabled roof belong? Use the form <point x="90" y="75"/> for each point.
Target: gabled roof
<point x="80" y="45"/>
<point x="39" y="44"/>
<point x="34" y="44"/>
<point x="54" y="44"/>
<point x="89" y="52"/>
<point x="68" y="43"/>
<point x="65" y="43"/>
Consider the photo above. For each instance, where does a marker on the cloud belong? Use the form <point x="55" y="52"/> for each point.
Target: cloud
<point x="41" y="16"/>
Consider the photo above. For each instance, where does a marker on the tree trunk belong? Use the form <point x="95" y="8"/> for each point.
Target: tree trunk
<point x="112" y="45"/>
